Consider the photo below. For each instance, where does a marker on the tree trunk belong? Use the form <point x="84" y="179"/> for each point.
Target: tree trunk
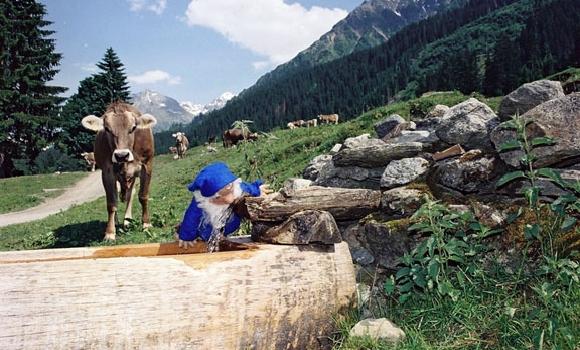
<point x="134" y="297"/>
<point x="342" y="203"/>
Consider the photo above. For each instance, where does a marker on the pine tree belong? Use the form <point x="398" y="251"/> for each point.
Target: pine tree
<point x="112" y="78"/>
<point x="74" y="138"/>
<point x="95" y="93"/>
<point x="28" y="62"/>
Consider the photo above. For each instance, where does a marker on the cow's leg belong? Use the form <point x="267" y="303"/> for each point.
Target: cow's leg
<point x="145" y="181"/>
<point x="93" y="168"/>
<point x="129" y="210"/>
<point x="110" y="185"/>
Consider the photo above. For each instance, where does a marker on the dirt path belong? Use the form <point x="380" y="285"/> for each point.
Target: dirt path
<point x="85" y="190"/>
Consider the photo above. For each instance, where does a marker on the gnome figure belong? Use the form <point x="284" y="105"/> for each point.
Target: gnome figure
<point x="210" y="213"/>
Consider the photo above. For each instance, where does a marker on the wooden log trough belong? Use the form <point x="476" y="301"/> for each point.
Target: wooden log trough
<point x="158" y="296"/>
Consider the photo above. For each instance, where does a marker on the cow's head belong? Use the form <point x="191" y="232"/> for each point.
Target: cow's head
<point x="119" y="124"/>
<point x="178" y="137"/>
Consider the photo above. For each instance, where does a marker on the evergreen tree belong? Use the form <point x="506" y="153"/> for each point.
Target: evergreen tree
<point x="74" y="138"/>
<point x="28" y="61"/>
<point x="95" y="93"/>
<point x="112" y="78"/>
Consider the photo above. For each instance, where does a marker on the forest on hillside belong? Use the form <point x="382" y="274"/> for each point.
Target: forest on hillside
<point x="488" y="46"/>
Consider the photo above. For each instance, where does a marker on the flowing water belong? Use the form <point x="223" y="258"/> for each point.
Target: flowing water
<point x="218" y="223"/>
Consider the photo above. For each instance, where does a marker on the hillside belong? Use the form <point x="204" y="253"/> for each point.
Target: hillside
<point x="281" y="156"/>
<point x="424" y="56"/>
<point x="369" y="25"/>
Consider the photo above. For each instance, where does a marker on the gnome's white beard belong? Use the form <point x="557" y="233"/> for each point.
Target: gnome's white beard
<point x="217" y="214"/>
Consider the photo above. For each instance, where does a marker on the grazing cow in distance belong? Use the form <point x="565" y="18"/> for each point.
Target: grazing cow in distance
<point x="231" y="137"/>
<point x="124" y="149"/>
<point x="173" y="150"/>
<point x="312" y="122"/>
<point x="211" y="140"/>
<point x="328" y="118"/>
<point x="90" y="159"/>
<point x="181" y="143"/>
<point x="296" y="124"/>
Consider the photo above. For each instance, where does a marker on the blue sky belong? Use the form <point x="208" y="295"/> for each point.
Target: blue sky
<point x="191" y="50"/>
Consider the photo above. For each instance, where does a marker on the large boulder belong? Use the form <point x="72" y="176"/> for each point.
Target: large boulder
<point x="464" y="177"/>
<point x="558" y="119"/>
<point x="364" y="140"/>
<point x="403" y="171"/>
<point x="468" y="124"/>
<point x="529" y="96"/>
<point x="376" y="155"/>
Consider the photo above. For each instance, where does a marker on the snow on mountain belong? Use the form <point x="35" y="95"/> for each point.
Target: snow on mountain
<point x="216" y="104"/>
<point x="169" y="111"/>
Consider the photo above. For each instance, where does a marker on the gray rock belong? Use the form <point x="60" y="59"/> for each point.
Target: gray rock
<point x="529" y="96"/>
<point x="362" y="256"/>
<point x="384" y="127"/>
<point x="380" y="328"/>
<point x="437" y="112"/>
<point x="377" y="155"/>
<point x="478" y="175"/>
<point x="403" y="171"/>
<point x="401" y="202"/>
<point x="336" y="148"/>
<point x="363" y="140"/>
<point x="558" y="119"/>
<point x="319" y="167"/>
<point x="352" y="177"/>
<point x="385" y="241"/>
<point x="292" y="185"/>
<point x="305" y="227"/>
<point x="468" y="124"/>
<point x="428" y="139"/>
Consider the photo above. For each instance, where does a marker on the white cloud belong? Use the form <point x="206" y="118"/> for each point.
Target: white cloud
<point x="154" y="76"/>
<point x="271" y="28"/>
<point x="157" y="6"/>
<point x="87" y="67"/>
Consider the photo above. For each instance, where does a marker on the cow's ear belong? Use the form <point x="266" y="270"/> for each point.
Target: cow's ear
<point x="146" y="121"/>
<point x="173" y="135"/>
<point x="92" y="122"/>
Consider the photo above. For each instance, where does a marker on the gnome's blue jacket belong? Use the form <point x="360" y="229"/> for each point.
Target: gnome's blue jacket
<point x="209" y="181"/>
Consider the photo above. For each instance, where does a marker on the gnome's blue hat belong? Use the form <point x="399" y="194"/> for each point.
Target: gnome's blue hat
<point x="212" y="178"/>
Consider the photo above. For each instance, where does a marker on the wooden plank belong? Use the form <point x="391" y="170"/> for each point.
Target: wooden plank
<point x="269" y="297"/>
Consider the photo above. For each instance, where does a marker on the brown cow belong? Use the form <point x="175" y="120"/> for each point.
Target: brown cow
<point x="123" y="149"/>
<point x="231" y="137"/>
<point x="329" y="118"/>
<point x="90" y="159"/>
<point x="181" y="143"/>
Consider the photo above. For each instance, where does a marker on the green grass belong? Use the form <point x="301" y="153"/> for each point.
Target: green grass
<point x="24" y="192"/>
<point x="494" y="311"/>
<point x="281" y="156"/>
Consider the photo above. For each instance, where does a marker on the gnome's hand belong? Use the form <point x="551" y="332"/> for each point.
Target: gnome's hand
<point x="185" y="244"/>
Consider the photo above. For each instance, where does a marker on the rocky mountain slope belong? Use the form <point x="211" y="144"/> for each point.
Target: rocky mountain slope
<point x="169" y="111"/>
<point x="368" y="25"/>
